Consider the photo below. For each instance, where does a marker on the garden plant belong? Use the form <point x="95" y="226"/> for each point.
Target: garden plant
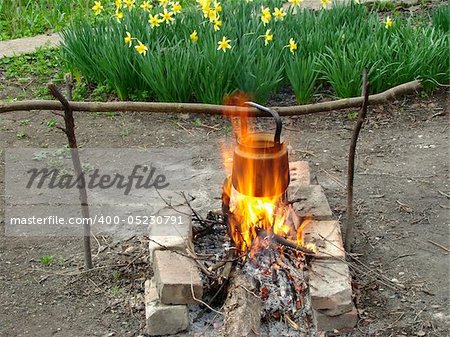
<point x="203" y="50"/>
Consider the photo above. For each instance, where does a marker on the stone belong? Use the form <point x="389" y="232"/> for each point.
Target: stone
<point x="299" y="173"/>
<point x="28" y="44"/>
<point x="326" y="235"/>
<point x="310" y="201"/>
<point x="171" y="236"/>
<point x="330" y="286"/>
<point x="343" y="323"/>
<point x="176" y="276"/>
<point x="162" y="319"/>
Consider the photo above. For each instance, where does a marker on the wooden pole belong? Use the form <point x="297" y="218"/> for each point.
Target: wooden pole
<point x="69" y="130"/>
<point x="211" y="109"/>
<point x="351" y="163"/>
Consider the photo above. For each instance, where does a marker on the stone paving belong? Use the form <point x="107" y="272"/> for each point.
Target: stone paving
<point x="27" y="44"/>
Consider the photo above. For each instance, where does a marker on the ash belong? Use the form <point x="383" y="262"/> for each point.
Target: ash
<point x="282" y="279"/>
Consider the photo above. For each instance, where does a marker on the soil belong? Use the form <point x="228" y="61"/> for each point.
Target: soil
<point x="402" y="216"/>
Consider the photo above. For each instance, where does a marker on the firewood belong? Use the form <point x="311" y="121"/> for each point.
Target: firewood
<point x="242" y="307"/>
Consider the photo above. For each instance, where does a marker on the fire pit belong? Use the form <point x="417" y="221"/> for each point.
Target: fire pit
<point x="273" y="261"/>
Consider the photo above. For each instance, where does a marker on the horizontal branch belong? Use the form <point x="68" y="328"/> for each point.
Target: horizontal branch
<point x="211" y="109"/>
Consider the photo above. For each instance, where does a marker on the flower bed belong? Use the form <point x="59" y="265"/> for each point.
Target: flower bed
<point x="204" y="50"/>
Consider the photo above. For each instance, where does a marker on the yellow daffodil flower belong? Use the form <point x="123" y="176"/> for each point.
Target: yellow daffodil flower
<point x="176" y="7"/>
<point x="128" y="39"/>
<point x="224" y="44"/>
<point x="118" y="3"/>
<point x="129" y="4"/>
<point x="217" y="6"/>
<point x="146" y="6"/>
<point x="217" y="24"/>
<point x="194" y="36"/>
<point x="267" y="37"/>
<point x="97" y="8"/>
<point x="292" y="45"/>
<point x="279" y="14"/>
<point x="388" y="22"/>
<point x="167" y="17"/>
<point x="163" y="3"/>
<point x="141" y="48"/>
<point x="325" y="3"/>
<point x="266" y="16"/>
<point x="154" y="21"/>
<point x="212" y="14"/>
<point x="118" y="15"/>
<point x="295" y="3"/>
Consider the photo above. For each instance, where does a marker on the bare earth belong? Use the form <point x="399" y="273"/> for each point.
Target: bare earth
<point x="402" y="203"/>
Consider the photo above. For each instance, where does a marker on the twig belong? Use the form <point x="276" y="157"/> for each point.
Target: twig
<point x="438" y="245"/>
<point x="200" y="301"/>
<point x="351" y="162"/>
<point x="211" y="109"/>
<point x="444" y="194"/>
<point x="71" y="138"/>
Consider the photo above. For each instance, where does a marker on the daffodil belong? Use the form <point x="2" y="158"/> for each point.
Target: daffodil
<point x="176" y="7"/>
<point x="292" y="45"/>
<point x="217" y="24"/>
<point x="217" y="6"/>
<point x="146" y="6"/>
<point x="118" y="15"/>
<point x="163" y="3"/>
<point x="388" y="22"/>
<point x="194" y="36"/>
<point x="279" y="14"/>
<point x="129" y="4"/>
<point x="295" y="3"/>
<point x="266" y="16"/>
<point x="267" y="37"/>
<point x="128" y="39"/>
<point x="154" y="21"/>
<point x="325" y="3"/>
<point x="167" y="16"/>
<point x="224" y="44"/>
<point x="212" y="14"/>
<point x="118" y="3"/>
<point x="141" y="48"/>
<point x="97" y="8"/>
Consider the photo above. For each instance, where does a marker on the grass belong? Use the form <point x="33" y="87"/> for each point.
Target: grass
<point x="333" y="46"/>
<point x="46" y="260"/>
<point x="19" y="18"/>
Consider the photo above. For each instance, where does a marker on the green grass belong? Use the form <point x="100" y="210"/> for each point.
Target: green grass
<point x="46" y="260"/>
<point x="19" y="18"/>
<point x="333" y="48"/>
<point x="44" y="64"/>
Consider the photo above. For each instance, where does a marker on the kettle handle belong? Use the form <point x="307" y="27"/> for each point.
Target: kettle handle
<point x="274" y="114"/>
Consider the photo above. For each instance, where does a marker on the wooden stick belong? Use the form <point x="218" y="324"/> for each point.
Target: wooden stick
<point x="440" y="246"/>
<point x="351" y="163"/>
<point x="70" y="133"/>
<point x="211" y="109"/>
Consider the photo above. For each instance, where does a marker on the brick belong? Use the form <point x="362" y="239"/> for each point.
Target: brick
<point x="310" y="201"/>
<point x="343" y="323"/>
<point x="174" y="276"/>
<point x="299" y="173"/>
<point x="171" y="236"/>
<point x="162" y="319"/>
<point x="326" y="235"/>
<point x="330" y="286"/>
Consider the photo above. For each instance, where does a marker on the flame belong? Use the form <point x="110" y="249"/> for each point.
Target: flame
<point x="252" y="217"/>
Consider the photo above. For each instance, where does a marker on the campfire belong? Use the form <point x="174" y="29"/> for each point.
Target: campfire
<point x="267" y="235"/>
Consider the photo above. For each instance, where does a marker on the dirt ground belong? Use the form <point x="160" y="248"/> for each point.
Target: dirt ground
<point x="402" y="203"/>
